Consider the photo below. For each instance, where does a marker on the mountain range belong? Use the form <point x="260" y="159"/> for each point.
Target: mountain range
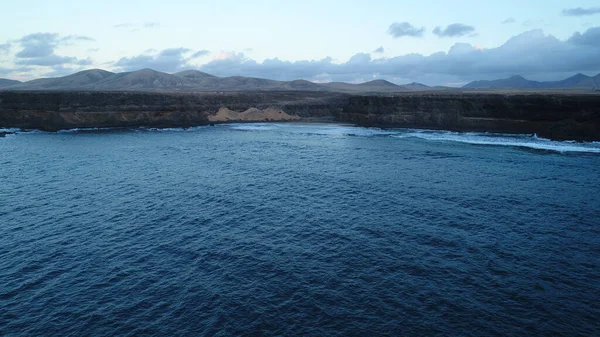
<point x="194" y="80"/>
<point x="578" y="81"/>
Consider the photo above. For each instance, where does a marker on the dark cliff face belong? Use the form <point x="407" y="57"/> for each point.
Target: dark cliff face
<point x="555" y="116"/>
<point x="53" y="111"/>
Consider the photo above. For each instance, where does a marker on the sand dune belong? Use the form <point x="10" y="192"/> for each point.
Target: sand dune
<point x="270" y="114"/>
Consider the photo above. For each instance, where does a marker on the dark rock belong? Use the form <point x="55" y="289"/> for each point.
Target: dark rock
<point x="555" y="116"/>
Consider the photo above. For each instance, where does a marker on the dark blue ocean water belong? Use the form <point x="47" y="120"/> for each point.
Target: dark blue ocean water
<point x="282" y="229"/>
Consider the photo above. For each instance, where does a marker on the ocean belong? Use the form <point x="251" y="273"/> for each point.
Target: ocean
<point x="297" y="230"/>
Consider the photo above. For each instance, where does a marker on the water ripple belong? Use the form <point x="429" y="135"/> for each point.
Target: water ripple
<point x="284" y="229"/>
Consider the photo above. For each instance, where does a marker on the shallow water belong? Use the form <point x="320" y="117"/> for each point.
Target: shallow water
<point x="286" y="229"/>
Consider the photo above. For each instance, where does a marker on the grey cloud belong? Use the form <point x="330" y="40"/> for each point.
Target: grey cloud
<point x="590" y="37"/>
<point x="39" y="49"/>
<point x="49" y="60"/>
<point x="151" y="24"/>
<point x="37" y="45"/>
<point x="69" y="39"/>
<point x="9" y="71"/>
<point x="580" y="11"/>
<point x="200" y="53"/>
<point x="4" y="48"/>
<point x="123" y="25"/>
<point x="379" y="50"/>
<point x="85" y="62"/>
<point x="453" y="30"/>
<point x="400" y="29"/>
<point x="531" y="53"/>
<point x="508" y="20"/>
<point x="168" y="60"/>
<point x="39" y="38"/>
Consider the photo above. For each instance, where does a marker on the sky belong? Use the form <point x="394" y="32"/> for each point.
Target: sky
<point x="435" y="42"/>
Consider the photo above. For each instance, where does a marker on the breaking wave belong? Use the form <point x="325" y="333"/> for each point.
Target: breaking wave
<point x="512" y="140"/>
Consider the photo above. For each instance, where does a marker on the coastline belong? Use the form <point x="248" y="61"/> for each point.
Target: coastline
<point x="552" y="116"/>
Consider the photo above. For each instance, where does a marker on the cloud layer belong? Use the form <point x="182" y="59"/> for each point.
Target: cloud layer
<point x="529" y="53"/>
<point x="532" y="53"/>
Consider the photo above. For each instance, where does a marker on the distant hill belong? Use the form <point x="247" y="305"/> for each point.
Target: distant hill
<point x="416" y="85"/>
<point x="75" y="81"/>
<point x="4" y="82"/>
<point x="379" y="83"/>
<point x="381" y="86"/>
<point x="193" y="80"/>
<point x="302" y="85"/>
<point x="578" y="81"/>
<point x="193" y="75"/>
<point x="145" y="79"/>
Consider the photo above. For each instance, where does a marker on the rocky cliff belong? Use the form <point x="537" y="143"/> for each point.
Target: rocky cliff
<point x="554" y="116"/>
<point x="53" y="111"/>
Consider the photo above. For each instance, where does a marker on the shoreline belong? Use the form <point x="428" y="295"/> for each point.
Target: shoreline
<point x="558" y="117"/>
<point x="295" y="122"/>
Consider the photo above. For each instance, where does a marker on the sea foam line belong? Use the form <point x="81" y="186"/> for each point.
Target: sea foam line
<point x="525" y="141"/>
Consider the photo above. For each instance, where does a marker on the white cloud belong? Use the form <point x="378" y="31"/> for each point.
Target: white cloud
<point x="530" y="53"/>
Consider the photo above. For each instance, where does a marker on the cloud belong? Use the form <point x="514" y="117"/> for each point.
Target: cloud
<point x="531" y="53"/>
<point x="590" y="37"/>
<point x="580" y="11"/>
<point x="400" y="29"/>
<point x="48" y="60"/>
<point x="137" y="26"/>
<point x="37" y="45"/>
<point x="70" y="39"/>
<point x="168" y="60"/>
<point x="508" y="20"/>
<point x="200" y="53"/>
<point x="453" y="30"/>
<point x="5" y="48"/>
<point x="379" y="50"/>
<point x="9" y="71"/>
<point x="38" y="49"/>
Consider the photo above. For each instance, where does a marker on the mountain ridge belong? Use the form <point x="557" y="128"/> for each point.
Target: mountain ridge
<point x="195" y="80"/>
<point x="577" y="81"/>
<point x="192" y="80"/>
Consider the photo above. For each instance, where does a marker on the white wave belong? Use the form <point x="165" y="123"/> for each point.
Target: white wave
<point x="253" y="126"/>
<point x="313" y="129"/>
<point x="352" y="131"/>
<point x="83" y="130"/>
<point x="532" y="142"/>
<point x="167" y="129"/>
<point x="10" y="130"/>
